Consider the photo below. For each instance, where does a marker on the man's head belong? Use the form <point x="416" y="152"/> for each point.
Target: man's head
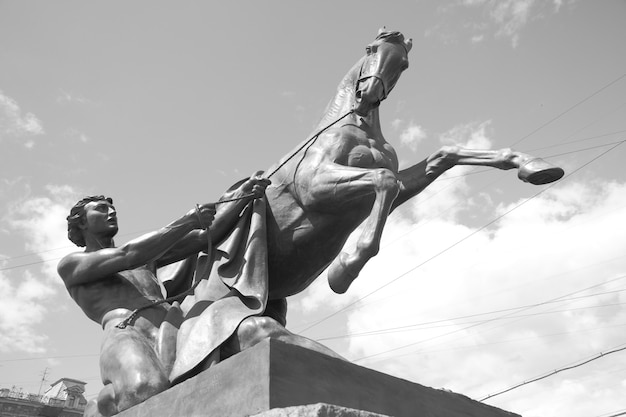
<point x="101" y="213"/>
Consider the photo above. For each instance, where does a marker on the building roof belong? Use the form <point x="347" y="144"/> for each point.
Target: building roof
<point x="70" y="380"/>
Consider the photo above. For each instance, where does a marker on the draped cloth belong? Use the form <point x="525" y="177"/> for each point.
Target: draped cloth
<point x="235" y="289"/>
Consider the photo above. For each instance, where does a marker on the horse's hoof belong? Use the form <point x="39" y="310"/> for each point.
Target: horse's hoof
<point x="340" y="276"/>
<point x="537" y="171"/>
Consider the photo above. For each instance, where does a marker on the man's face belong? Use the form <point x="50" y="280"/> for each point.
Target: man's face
<point x="100" y="218"/>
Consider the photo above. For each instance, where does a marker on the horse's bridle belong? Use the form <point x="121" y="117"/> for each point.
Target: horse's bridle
<point x="377" y="75"/>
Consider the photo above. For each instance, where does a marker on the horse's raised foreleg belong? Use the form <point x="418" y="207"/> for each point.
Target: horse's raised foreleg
<point x="340" y="189"/>
<point x="530" y="169"/>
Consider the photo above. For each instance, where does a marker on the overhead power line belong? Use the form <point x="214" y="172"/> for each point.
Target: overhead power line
<point x="556" y="371"/>
<point x="446" y="322"/>
<point x="541" y="337"/>
<point x="569" y="109"/>
<point x="49" y="357"/>
<point x="46" y="251"/>
<point x="619" y="142"/>
<point x="619" y="413"/>
<point x="43" y="261"/>
<point x="556" y="145"/>
<point x="471" y="326"/>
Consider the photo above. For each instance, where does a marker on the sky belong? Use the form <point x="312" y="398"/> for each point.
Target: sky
<point x="483" y="282"/>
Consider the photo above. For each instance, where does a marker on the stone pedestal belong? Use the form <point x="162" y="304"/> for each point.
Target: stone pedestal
<point x="274" y="379"/>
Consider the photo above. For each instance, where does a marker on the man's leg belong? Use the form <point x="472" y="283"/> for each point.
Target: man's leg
<point x="130" y="370"/>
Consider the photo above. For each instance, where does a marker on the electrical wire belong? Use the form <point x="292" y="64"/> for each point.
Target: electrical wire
<point x="541" y="337"/>
<point x="485" y="321"/>
<point x="556" y="371"/>
<point x="569" y="109"/>
<point x="50" y="357"/>
<point x="540" y="279"/>
<point x="61" y="248"/>
<point x="436" y="323"/>
<point x="621" y="412"/>
<point x="619" y="142"/>
<point x="556" y="145"/>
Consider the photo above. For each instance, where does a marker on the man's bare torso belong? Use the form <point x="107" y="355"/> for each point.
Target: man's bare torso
<point x="111" y="300"/>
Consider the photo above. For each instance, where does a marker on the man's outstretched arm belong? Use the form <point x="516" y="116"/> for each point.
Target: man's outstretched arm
<point x="84" y="267"/>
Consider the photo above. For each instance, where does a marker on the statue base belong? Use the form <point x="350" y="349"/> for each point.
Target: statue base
<point x="275" y="379"/>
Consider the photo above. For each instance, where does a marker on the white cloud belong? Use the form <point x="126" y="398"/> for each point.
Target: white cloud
<point x="504" y="18"/>
<point x="65" y="97"/>
<point x="559" y="3"/>
<point x="412" y="136"/>
<point x="14" y="123"/>
<point x="448" y="197"/>
<point x="474" y="2"/>
<point x="39" y="221"/>
<point x="470" y="135"/>
<point x="478" y="38"/>
<point x="77" y="134"/>
<point x="21" y="309"/>
<point x="511" y="16"/>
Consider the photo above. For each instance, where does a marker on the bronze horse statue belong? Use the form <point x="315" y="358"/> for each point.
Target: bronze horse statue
<point x="349" y="174"/>
<point x="344" y="175"/>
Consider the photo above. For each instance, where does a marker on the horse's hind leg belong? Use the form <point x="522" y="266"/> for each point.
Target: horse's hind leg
<point x="346" y="267"/>
<point x="530" y="169"/>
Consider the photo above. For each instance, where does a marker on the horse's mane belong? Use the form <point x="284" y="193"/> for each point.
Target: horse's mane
<point x="344" y="89"/>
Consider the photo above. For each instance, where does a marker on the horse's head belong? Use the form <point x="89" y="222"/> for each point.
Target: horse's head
<point x="386" y="58"/>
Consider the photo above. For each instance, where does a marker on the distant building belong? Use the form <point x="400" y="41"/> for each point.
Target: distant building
<point x="64" y="398"/>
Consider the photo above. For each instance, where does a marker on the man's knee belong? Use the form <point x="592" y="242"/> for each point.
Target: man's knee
<point x="131" y="389"/>
<point x="130" y="365"/>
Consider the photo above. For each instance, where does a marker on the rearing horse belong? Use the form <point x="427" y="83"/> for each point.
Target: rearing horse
<point x="349" y="174"/>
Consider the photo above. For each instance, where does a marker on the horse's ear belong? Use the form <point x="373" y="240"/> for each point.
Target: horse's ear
<point x="382" y="30"/>
<point x="408" y="43"/>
